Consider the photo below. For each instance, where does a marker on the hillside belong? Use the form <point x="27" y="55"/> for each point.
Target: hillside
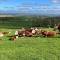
<point x="28" y="21"/>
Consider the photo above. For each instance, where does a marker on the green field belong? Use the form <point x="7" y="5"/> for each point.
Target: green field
<point x="29" y="48"/>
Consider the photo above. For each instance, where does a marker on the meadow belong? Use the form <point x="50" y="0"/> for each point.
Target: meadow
<point x="29" y="48"/>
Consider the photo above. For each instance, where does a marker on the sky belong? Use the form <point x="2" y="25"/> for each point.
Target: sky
<point x="41" y="7"/>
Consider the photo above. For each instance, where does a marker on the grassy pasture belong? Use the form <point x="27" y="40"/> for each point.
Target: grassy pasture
<point x="29" y="48"/>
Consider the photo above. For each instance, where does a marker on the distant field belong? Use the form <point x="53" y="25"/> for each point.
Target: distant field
<point x="29" y="48"/>
<point x="16" y="24"/>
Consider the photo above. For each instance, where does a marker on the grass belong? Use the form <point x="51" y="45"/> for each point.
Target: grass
<point x="29" y="48"/>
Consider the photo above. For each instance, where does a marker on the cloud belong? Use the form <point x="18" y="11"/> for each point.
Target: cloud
<point x="55" y="1"/>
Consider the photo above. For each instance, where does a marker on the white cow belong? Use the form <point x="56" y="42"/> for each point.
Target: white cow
<point x="1" y="34"/>
<point x="16" y="33"/>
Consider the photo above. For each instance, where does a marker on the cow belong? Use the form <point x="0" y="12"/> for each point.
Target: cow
<point x="59" y="27"/>
<point x="28" y="34"/>
<point x="13" y="37"/>
<point x="3" y="33"/>
<point x="21" y="33"/>
<point x="6" y="33"/>
<point x="24" y="32"/>
<point x="48" y="33"/>
<point x="55" y="27"/>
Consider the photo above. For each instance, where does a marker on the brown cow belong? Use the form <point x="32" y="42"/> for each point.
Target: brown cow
<point x="21" y="33"/>
<point x="28" y="34"/>
<point x="13" y="38"/>
<point x="3" y="33"/>
<point x="6" y="32"/>
<point x="48" y="33"/>
<point x="24" y="32"/>
<point x="59" y="27"/>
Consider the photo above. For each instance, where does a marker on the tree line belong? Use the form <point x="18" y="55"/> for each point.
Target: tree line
<point x="29" y="21"/>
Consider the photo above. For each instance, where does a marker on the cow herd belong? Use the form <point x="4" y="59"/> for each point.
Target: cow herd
<point x="29" y="32"/>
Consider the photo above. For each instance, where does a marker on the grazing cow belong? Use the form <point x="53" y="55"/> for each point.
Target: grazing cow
<point x="28" y="34"/>
<point x="16" y="33"/>
<point x="55" y="28"/>
<point x="6" y="32"/>
<point x="24" y="32"/>
<point x="13" y="38"/>
<point x="28" y="29"/>
<point x="37" y="31"/>
<point x="1" y="34"/>
<point x="48" y="33"/>
<point x="59" y="27"/>
<point x="21" y="33"/>
<point x="33" y="31"/>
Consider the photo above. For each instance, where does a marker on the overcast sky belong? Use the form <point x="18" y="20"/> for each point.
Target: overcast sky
<point x="30" y="6"/>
